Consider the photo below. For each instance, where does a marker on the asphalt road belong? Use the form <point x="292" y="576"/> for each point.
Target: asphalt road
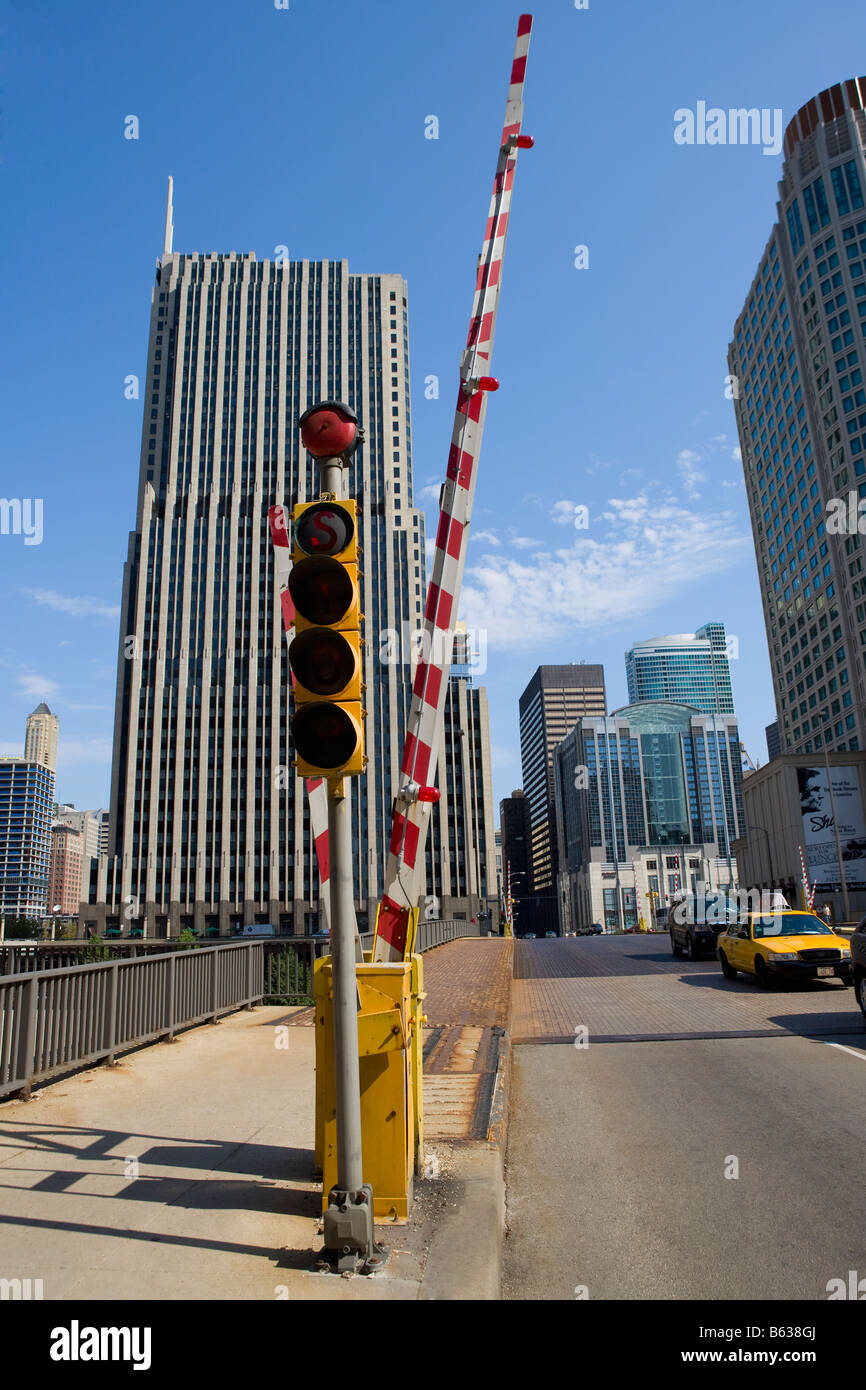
<point x="619" y="1152"/>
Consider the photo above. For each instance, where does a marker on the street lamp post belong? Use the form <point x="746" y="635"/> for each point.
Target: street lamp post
<point x="769" y="851"/>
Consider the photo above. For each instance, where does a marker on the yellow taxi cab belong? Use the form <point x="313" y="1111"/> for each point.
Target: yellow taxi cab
<point x="784" y="945"/>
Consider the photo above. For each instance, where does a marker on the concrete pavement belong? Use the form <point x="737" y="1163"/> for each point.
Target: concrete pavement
<point x="710" y="1147"/>
<point x="185" y="1171"/>
<point x="621" y="987"/>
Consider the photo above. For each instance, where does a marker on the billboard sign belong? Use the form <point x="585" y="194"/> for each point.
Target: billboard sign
<point x="819" y="834"/>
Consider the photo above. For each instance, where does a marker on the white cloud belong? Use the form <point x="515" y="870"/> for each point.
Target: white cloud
<point x="11" y="750"/>
<point x="599" y="465"/>
<point x="657" y="549"/>
<point x="522" y="542"/>
<point x="563" y="512"/>
<point x="39" y="686"/>
<point x="692" y="474"/>
<point x="83" y="752"/>
<point x="430" y="491"/>
<point x="490" y="537"/>
<point x="75" y="607"/>
<point x="737" y="454"/>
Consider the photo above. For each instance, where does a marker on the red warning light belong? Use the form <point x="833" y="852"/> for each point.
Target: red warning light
<point x="329" y="429"/>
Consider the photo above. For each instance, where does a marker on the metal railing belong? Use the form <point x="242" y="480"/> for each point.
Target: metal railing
<point x="19" y="956"/>
<point x="52" y="1021"/>
<point x="288" y="963"/>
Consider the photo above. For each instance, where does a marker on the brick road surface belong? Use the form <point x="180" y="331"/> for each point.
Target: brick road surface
<point x="469" y="982"/>
<point x="630" y="987"/>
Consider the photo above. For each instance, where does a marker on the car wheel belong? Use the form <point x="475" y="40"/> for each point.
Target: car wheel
<point x="689" y="948"/>
<point x="677" y="950"/>
<point x="762" y="974"/>
<point x="729" y="971"/>
<point x="860" y="989"/>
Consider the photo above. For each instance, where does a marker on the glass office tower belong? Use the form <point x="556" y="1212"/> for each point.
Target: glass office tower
<point x="692" y="669"/>
<point x="797" y="363"/>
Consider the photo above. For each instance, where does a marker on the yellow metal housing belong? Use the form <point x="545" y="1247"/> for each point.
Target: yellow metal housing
<point x="353" y="764"/>
<point x="390" y="1061"/>
<point x="349" y="554"/>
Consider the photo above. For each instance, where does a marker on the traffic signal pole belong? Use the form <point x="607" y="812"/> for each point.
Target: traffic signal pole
<point x="330" y="432"/>
<point x="347" y="1078"/>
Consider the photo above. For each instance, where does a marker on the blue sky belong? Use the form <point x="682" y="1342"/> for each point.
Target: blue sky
<point x="305" y="127"/>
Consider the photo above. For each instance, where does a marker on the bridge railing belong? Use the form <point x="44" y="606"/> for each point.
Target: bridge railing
<point x="52" y="1021"/>
<point x="289" y="960"/>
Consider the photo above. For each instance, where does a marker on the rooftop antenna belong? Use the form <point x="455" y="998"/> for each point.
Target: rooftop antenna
<point x="169" y="220"/>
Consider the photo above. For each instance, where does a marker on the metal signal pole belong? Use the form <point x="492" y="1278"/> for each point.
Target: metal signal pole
<point x="330" y="432"/>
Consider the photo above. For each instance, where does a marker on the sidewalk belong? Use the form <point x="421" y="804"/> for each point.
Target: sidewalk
<point x="184" y="1172"/>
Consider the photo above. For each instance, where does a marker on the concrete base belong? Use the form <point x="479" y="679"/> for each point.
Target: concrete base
<point x="185" y="1172"/>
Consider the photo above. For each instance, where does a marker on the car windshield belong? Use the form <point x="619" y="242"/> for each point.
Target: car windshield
<point x="789" y="924"/>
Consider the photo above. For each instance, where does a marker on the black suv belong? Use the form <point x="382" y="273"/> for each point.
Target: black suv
<point x="692" y="939"/>
<point x="858" y="963"/>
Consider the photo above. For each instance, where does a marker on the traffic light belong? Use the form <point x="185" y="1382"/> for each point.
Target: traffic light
<point x="325" y="654"/>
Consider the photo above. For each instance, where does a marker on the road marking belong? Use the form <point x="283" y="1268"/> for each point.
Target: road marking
<point x="843" y="1048"/>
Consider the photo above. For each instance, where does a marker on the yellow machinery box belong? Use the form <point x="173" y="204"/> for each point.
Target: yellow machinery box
<point x="390" y="1046"/>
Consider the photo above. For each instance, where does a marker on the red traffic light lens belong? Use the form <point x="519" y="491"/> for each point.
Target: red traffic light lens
<point x="322" y="660"/>
<point x="325" y="529"/>
<point x="321" y="589"/>
<point x="327" y="432"/>
<point x="324" y="735"/>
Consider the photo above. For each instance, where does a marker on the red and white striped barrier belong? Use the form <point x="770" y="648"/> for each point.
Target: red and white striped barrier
<point x="421" y="753"/>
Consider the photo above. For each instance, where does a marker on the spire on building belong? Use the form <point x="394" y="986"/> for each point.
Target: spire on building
<point x="168" y="239"/>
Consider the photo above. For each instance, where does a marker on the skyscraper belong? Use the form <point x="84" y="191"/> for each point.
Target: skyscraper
<point x="208" y="824"/>
<point x="516" y="854"/>
<point x="648" y="800"/>
<point x="797" y="363"/>
<point x="688" y="668"/>
<point x="26" y="803"/>
<point x="774" y="747"/>
<point x="553" y="701"/>
<point x="40" y="744"/>
<point x="64" y="876"/>
<point x="461" y="856"/>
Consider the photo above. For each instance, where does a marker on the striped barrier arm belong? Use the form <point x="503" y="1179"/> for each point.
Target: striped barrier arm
<point x="395" y="918"/>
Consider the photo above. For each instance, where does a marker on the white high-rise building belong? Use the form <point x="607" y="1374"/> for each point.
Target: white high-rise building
<point x="208" y="826"/>
<point x="40" y="744"/>
<point x="797" y="365"/>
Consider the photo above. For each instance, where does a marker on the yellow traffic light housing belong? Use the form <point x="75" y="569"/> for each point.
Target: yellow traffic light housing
<point x="325" y="654"/>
